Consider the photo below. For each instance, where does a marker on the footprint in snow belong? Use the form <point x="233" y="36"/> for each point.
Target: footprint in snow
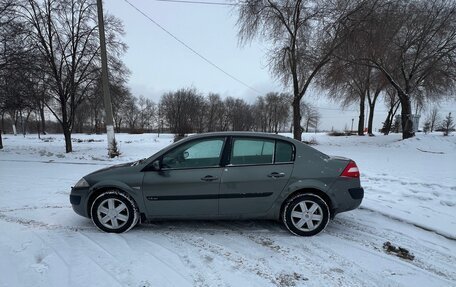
<point x="23" y="247"/>
<point x="447" y="203"/>
<point x="39" y="267"/>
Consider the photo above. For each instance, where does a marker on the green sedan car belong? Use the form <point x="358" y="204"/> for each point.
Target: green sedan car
<point x="223" y="175"/>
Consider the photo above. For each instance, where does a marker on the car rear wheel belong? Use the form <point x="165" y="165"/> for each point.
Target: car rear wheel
<point x="114" y="212"/>
<point x="305" y="214"/>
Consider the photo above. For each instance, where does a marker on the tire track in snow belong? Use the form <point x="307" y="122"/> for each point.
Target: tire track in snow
<point x="237" y="261"/>
<point x="357" y="232"/>
<point x="300" y="250"/>
<point x="411" y="182"/>
<point x="198" y="275"/>
<point x="165" y="263"/>
<point x="345" y="229"/>
<point x="295" y="258"/>
<point x="32" y="223"/>
<point x="58" y="162"/>
<point x="423" y="227"/>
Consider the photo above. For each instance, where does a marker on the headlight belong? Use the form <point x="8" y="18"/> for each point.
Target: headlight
<point x="82" y="183"/>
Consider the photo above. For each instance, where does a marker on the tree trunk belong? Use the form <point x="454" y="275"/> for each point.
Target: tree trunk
<point x="387" y="124"/>
<point x="25" y="123"/>
<point x="119" y="124"/>
<point x="371" y="119"/>
<point x="22" y="122"/>
<point x="297" y="130"/>
<point x="67" y="134"/>
<point x="361" y="116"/>
<point x="406" y="117"/>
<point x="3" y="123"/>
<point x="390" y="118"/>
<point x="1" y="141"/>
<point x="372" y="102"/>
<point x="38" y="126"/>
<point x="43" y="119"/>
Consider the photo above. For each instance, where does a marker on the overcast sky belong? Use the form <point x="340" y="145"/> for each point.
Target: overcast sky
<point x="159" y="63"/>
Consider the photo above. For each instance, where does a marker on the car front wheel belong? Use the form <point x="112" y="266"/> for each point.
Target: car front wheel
<point x="114" y="212"/>
<point x="305" y="214"/>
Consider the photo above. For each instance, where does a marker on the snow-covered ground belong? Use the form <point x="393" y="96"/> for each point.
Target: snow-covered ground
<point x="410" y="200"/>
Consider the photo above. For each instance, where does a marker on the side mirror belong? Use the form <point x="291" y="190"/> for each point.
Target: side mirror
<point x="156" y="164"/>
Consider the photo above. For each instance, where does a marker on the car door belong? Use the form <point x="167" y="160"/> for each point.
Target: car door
<point x="187" y="182"/>
<point x="257" y="172"/>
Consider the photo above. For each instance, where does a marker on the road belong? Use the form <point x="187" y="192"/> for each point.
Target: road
<point x="44" y="243"/>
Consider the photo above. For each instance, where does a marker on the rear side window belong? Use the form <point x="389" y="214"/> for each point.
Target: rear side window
<point x="252" y="151"/>
<point x="284" y="152"/>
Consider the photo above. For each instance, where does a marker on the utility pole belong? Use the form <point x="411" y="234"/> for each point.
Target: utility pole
<point x="104" y="75"/>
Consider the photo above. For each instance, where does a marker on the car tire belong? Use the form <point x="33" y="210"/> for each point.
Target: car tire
<point x="305" y="214"/>
<point x="114" y="212"/>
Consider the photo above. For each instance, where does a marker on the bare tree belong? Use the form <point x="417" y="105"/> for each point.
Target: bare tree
<point x="94" y="101"/>
<point x="304" y="35"/>
<point x="180" y="109"/>
<point x="261" y="118"/>
<point x="238" y="115"/>
<point x="120" y="94"/>
<point x="413" y="43"/>
<point x="85" y="118"/>
<point x="66" y="35"/>
<point x="11" y="57"/>
<point x="392" y="102"/>
<point x="426" y="127"/>
<point x="278" y="107"/>
<point x="311" y="116"/>
<point x="17" y="89"/>
<point x="433" y="118"/>
<point x="130" y="112"/>
<point x="348" y="83"/>
<point x="147" y="109"/>
<point x="215" y="113"/>
<point x="8" y="30"/>
<point x="271" y="112"/>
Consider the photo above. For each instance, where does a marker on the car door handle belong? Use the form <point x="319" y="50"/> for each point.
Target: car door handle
<point x="209" y="178"/>
<point x="276" y="174"/>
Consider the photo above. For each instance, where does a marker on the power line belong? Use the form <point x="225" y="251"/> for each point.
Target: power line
<point x="190" y="48"/>
<point x="336" y="109"/>
<point x="200" y="2"/>
<point x="220" y="3"/>
<point x="415" y="9"/>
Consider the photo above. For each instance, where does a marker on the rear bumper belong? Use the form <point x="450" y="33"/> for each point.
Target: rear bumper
<point x="356" y="193"/>
<point x="78" y="200"/>
<point x="346" y="194"/>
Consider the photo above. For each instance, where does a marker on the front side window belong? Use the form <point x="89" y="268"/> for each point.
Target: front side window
<point x="195" y="154"/>
<point x="252" y="151"/>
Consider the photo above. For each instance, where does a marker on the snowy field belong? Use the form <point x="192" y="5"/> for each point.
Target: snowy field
<point x="410" y="200"/>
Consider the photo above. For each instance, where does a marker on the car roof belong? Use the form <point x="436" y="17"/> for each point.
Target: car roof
<point x="235" y="133"/>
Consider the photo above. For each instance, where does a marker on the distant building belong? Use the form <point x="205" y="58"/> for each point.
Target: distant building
<point x="415" y="122"/>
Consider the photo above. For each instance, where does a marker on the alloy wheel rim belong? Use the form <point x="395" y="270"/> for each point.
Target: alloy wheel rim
<point x="307" y="215"/>
<point x="112" y="213"/>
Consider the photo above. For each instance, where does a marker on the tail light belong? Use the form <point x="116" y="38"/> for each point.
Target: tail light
<point x="351" y="170"/>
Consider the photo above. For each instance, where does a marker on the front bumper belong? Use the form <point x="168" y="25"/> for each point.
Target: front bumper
<point x="78" y="200"/>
